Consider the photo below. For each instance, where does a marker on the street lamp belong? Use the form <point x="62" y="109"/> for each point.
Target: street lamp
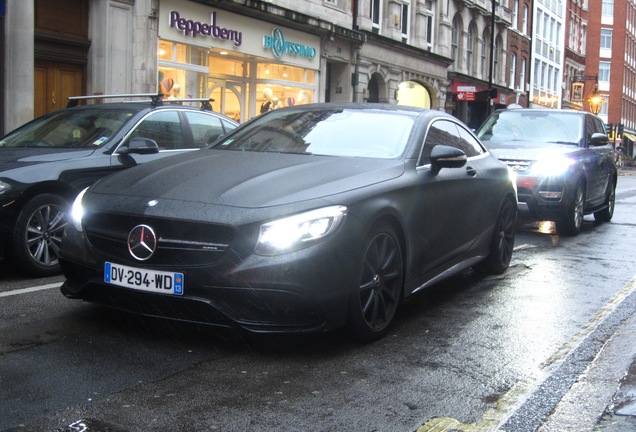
<point x="596" y="101"/>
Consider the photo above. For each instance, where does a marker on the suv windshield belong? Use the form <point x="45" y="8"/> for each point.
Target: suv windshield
<point x="68" y="129"/>
<point x="330" y="132"/>
<point x="533" y="126"/>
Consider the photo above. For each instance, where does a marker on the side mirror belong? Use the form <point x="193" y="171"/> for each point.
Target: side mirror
<point x="599" y="139"/>
<point x="446" y="157"/>
<point x="140" y="146"/>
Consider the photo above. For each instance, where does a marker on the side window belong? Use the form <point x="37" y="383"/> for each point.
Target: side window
<point x="228" y="126"/>
<point x="164" y="127"/>
<point x="446" y="132"/>
<point x="593" y="125"/>
<point x="470" y="145"/>
<point x="205" y="128"/>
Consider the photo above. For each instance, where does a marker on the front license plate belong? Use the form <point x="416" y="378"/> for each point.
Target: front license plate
<point x="142" y="279"/>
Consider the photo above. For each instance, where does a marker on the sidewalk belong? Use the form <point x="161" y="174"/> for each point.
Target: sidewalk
<point x="604" y="398"/>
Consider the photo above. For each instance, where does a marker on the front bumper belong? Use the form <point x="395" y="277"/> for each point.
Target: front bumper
<point x="542" y="198"/>
<point x="303" y="291"/>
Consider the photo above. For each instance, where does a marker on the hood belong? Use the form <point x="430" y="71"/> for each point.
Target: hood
<point x="11" y="158"/>
<point x="248" y="179"/>
<point x="528" y="151"/>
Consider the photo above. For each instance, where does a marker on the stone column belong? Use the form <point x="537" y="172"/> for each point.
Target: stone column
<point x="19" y="63"/>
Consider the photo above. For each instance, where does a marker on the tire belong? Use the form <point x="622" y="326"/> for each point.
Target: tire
<point x="571" y="220"/>
<point x="503" y="240"/>
<point x="38" y="235"/>
<point x="378" y="291"/>
<point x="607" y="213"/>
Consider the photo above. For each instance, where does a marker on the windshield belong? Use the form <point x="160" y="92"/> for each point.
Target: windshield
<point x="532" y="126"/>
<point x="69" y="129"/>
<point x="326" y="131"/>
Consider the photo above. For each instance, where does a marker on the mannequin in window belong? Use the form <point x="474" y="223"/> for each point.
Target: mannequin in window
<point x="267" y="103"/>
<point x="302" y="98"/>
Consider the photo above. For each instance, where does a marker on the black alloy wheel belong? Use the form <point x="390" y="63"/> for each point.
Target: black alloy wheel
<point x="38" y="235"/>
<point x="375" y="299"/>
<point x="503" y="240"/>
<point x="607" y="213"/>
<point x="571" y="220"/>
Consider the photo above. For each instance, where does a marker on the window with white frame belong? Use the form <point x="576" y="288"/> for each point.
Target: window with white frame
<point x="405" y="19"/>
<point x="497" y="56"/>
<point x="376" y="15"/>
<point x="455" y="43"/>
<point x="606" y="38"/>
<point x="513" y="71"/>
<point x="429" y="13"/>
<point x="524" y="23"/>
<point x="607" y="8"/>
<point x="515" y="14"/>
<point x="471" y="47"/>
<point x="604" y="72"/>
<point x="583" y="39"/>
<point x="522" y="75"/>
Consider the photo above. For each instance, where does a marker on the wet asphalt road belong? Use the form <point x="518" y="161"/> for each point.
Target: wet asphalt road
<point x="470" y="354"/>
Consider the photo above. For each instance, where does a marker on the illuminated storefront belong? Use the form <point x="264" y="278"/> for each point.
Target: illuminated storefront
<point x="247" y="66"/>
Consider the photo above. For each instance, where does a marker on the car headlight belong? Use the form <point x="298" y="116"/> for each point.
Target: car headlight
<point x="4" y="187"/>
<point x="299" y="231"/>
<point x="77" y="211"/>
<point x="551" y="167"/>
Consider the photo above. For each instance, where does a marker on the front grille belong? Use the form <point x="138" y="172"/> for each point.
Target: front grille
<point x="179" y="243"/>
<point x="519" y="166"/>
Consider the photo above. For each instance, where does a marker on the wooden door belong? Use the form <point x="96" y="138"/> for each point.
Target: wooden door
<point x="54" y="83"/>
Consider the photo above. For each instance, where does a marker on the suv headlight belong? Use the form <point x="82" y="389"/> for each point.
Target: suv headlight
<point x="299" y="231"/>
<point x="551" y="167"/>
<point x="77" y="211"/>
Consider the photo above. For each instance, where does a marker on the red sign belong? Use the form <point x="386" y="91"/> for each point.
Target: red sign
<point x="466" y="96"/>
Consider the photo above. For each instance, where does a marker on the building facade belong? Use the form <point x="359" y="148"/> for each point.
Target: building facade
<point x="577" y="86"/>
<point x="611" y="57"/>
<point x="253" y="55"/>
<point x="548" y="46"/>
<point x="519" y="51"/>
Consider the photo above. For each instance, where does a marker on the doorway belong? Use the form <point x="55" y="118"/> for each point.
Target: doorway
<point x="54" y="83"/>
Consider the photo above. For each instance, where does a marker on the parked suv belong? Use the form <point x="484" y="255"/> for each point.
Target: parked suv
<point x="45" y="163"/>
<point x="563" y="160"/>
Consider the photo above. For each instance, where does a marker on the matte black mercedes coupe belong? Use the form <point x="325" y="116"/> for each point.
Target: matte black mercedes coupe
<point x="306" y="218"/>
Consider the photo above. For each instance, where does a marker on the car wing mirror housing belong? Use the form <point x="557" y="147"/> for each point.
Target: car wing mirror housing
<point x="446" y="157"/>
<point x="140" y="146"/>
<point x="599" y="139"/>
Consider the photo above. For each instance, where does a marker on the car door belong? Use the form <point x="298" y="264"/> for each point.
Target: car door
<point x="205" y="128"/>
<point x="599" y="163"/>
<point x="449" y="202"/>
<point x="166" y="128"/>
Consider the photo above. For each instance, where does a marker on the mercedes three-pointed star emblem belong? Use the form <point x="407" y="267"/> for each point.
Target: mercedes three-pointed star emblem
<point x="142" y="242"/>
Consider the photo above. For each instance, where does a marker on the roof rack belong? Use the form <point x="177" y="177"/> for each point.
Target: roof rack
<point x="155" y="98"/>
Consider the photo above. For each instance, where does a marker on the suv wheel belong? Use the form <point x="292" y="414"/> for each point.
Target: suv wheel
<point x="572" y="218"/>
<point x="38" y="235"/>
<point x="606" y="214"/>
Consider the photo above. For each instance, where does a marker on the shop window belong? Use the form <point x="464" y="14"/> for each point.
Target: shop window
<point x="284" y="72"/>
<point x="270" y="97"/>
<point x="226" y="66"/>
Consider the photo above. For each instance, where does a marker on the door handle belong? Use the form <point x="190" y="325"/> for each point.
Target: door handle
<point x="471" y="171"/>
